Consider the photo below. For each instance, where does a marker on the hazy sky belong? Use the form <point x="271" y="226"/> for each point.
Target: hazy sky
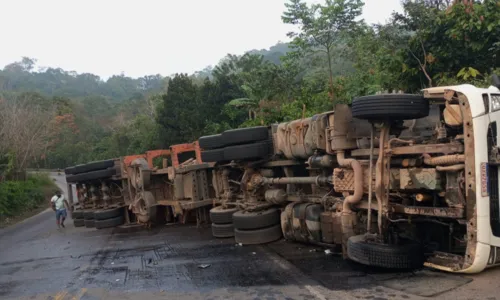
<point x="145" y="37"/>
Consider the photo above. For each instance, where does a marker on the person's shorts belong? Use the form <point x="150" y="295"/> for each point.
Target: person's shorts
<point x="61" y="213"/>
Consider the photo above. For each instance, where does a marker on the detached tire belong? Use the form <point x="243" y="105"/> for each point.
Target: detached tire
<point x="211" y="141"/>
<point x="409" y="256"/>
<point x="222" y="230"/>
<point x="89" y="223"/>
<point x="113" y="222"/>
<point x="390" y="107"/>
<point x="219" y="215"/>
<point x="79" y="222"/>
<point x="248" y="151"/>
<point x="108" y="213"/>
<point x="212" y="155"/>
<point x="255" y="220"/>
<point x="91" y="175"/>
<point x="258" y="236"/>
<point x="245" y="135"/>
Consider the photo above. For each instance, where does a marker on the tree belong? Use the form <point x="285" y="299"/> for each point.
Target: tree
<point x="181" y="116"/>
<point x="460" y="40"/>
<point x="24" y="128"/>
<point x="321" y="27"/>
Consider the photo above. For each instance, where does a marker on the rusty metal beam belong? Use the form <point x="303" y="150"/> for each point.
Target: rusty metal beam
<point x="443" y="212"/>
<point x="181" y="148"/>
<point x="187" y="205"/>
<point x="416" y="149"/>
<point x="282" y="163"/>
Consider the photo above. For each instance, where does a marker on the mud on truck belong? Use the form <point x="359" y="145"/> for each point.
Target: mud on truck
<point x="392" y="180"/>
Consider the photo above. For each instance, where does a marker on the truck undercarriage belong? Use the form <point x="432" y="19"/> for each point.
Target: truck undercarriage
<point x="390" y="181"/>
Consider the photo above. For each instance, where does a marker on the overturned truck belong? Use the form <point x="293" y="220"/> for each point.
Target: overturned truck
<point x="393" y="180"/>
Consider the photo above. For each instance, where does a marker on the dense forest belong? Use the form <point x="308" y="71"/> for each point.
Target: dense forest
<point x="52" y="118"/>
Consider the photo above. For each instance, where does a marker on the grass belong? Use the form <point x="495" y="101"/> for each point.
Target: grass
<point x="22" y="199"/>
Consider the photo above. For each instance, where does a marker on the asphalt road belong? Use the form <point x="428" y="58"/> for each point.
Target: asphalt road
<point x="39" y="261"/>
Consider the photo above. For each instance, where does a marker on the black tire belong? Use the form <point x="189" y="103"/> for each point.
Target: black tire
<point x="218" y="215"/>
<point x="91" y="175"/>
<point x="255" y="220"/>
<point x="69" y="170"/>
<point x="108" y="223"/>
<point x="212" y="155"/>
<point x="222" y="230"/>
<point x="390" y="107"/>
<point x="211" y="141"/>
<point x="89" y="223"/>
<point x="77" y="214"/>
<point x="245" y="135"/>
<point x="92" y="166"/>
<point x="409" y="256"/>
<point x="88" y="214"/>
<point x="108" y="213"/>
<point x="78" y="222"/>
<point x="248" y="151"/>
<point x="258" y="236"/>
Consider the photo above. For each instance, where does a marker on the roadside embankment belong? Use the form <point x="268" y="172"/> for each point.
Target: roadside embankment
<point x="22" y="199"/>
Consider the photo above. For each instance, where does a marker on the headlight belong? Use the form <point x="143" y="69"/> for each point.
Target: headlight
<point x="495" y="102"/>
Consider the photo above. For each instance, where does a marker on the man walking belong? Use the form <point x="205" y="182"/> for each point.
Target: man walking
<point x="58" y="205"/>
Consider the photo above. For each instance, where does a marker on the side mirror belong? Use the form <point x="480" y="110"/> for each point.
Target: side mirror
<point x="495" y="80"/>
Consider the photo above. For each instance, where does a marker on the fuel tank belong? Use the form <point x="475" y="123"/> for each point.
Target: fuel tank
<point x="301" y="222"/>
<point x="298" y="139"/>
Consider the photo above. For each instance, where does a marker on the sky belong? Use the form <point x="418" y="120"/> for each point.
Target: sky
<point x="148" y="36"/>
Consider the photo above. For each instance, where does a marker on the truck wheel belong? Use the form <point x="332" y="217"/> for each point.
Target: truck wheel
<point x="79" y="222"/>
<point x="220" y="215"/>
<point x="258" y="236"/>
<point x="69" y="170"/>
<point x="222" y="230"/>
<point x="212" y="155"/>
<point x="248" y="151"/>
<point x="255" y="220"/>
<point x="211" y="141"/>
<point x="77" y="214"/>
<point x="390" y="107"/>
<point x="146" y="207"/>
<point x="91" y="175"/>
<point x="108" y="223"/>
<point x="88" y="214"/>
<point x="363" y="251"/>
<point x="108" y="213"/>
<point x="245" y="135"/>
<point x="92" y="166"/>
<point x="89" y="223"/>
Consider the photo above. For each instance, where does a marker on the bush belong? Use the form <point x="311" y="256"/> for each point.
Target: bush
<point x="17" y="197"/>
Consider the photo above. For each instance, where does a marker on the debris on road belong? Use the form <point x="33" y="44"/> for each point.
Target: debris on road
<point x="204" y="266"/>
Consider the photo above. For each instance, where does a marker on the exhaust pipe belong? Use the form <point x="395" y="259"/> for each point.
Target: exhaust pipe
<point x="358" y="180"/>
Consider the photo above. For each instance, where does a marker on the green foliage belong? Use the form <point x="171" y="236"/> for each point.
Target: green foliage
<point x="322" y="27"/>
<point x="445" y="41"/>
<point x="17" y="197"/>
